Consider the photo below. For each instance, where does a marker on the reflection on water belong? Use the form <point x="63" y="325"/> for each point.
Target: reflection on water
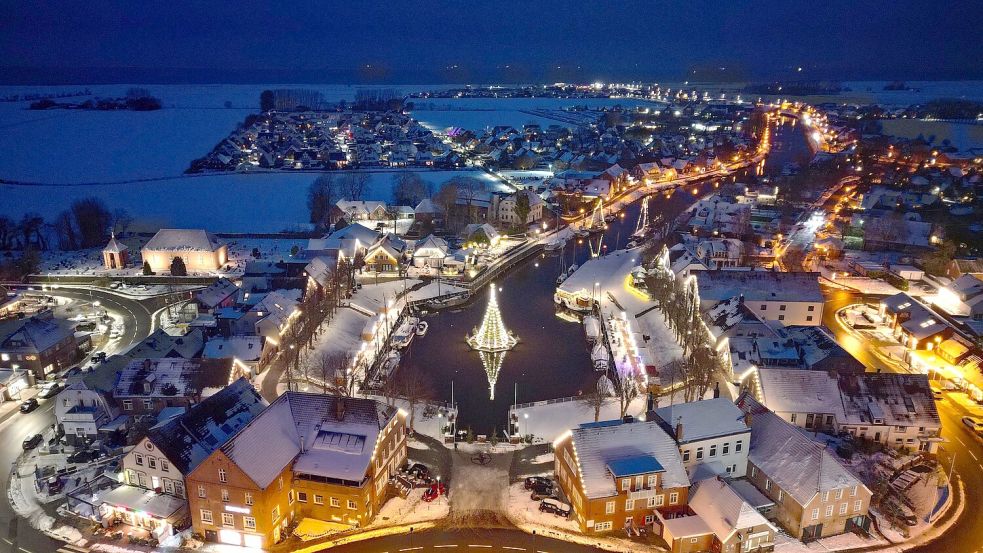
<point x="553" y="359"/>
<point x="492" y="363"/>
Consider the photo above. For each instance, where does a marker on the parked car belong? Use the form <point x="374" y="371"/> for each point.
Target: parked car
<point x="31" y="442"/>
<point x="83" y="456"/>
<point x="540" y="489"/>
<point x="975" y="424"/>
<point x="99" y="356"/>
<point x="554" y="506"/>
<point x="435" y="490"/>
<point x="50" y="389"/>
<point x="29" y="405"/>
<point x="534" y="481"/>
<point x="420" y="472"/>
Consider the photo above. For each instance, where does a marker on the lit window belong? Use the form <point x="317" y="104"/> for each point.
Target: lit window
<point x="228" y="519"/>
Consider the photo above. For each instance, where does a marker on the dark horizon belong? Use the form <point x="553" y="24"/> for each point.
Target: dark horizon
<point x="60" y="76"/>
<point x="437" y="42"/>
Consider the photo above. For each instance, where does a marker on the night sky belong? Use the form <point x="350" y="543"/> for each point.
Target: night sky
<point x="465" y="41"/>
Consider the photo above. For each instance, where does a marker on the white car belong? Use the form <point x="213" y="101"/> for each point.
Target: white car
<point x="974" y="424"/>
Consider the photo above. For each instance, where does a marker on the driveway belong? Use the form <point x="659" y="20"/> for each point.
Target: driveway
<point x="479" y="492"/>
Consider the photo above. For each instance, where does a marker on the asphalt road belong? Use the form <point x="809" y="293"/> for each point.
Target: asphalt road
<point x="966" y="535"/>
<point x="470" y="541"/>
<point x="17" y="535"/>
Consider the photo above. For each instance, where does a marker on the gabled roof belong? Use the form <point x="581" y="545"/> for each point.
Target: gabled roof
<point x="195" y="240"/>
<point x="243" y="348"/>
<point x="759" y="286"/>
<point x="795" y="463"/>
<point x="800" y="391"/>
<point x="162" y="344"/>
<point x="332" y="448"/>
<point x="321" y="268"/>
<point x="188" y="439"/>
<point x="216" y="293"/>
<point x="702" y="420"/>
<point x="723" y="509"/>
<point x="363" y="234"/>
<point x="34" y="334"/>
<point x="426" y="206"/>
<point x="597" y="446"/>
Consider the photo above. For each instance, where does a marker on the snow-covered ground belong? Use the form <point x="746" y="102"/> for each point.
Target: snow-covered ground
<point x="74" y="146"/>
<point x="254" y="202"/>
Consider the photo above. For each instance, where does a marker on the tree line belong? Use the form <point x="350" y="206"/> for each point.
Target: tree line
<point x="458" y="198"/>
<point x="87" y="223"/>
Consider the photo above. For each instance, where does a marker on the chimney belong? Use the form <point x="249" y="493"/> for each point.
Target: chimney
<point x="339" y="405"/>
<point x="650" y="408"/>
<point x="679" y="429"/>
<point x="747" y="419"/>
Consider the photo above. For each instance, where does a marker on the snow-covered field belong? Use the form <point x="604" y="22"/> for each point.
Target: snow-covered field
<point x="107" y="146"/>
<point x="478" y="113"/>
<point x="257" y="202"/>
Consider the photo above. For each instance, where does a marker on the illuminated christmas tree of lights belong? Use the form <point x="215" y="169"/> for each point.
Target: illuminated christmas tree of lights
<point x="491" y="340"/>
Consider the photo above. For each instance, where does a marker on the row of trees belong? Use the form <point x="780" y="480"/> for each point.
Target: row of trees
<point x="679" y="302"/>
<point x="458" y="197"/>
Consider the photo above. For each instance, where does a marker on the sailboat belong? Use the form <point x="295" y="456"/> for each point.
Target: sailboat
<point x="643" y="220"/>
<point x="596" y="222"/>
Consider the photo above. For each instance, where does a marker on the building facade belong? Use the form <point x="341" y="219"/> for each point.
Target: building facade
<point x="611" y="489"/>
<point x="306" y="456"/>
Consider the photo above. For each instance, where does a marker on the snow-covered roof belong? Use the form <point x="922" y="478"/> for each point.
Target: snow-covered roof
<point x="702" y="420"/>
<point x="195" y="240"/>
<point x="159" y="505"/>
<point x="597" y="446"/>
<point x="800" y="391"/>
<point x="361" y="233"/>
<point x="431" y="245"/>
<point x="426" y="206"/>
<point x="332" y="448"/>
<point x="895" y="399"/>
<point x="321" y="268"/>
<point x="115" y="246"/>
<point x="275" y="308"/>
<point x="216" y="293"/>
<point x="243" y="348"/>
<point x="723" y="509"/>
<point x="33" y="334"/>
<point x="759" y="286"/>
<point x="795" y="463"/>
<point x="162" y="344"/>
<point x="188" y="439"/>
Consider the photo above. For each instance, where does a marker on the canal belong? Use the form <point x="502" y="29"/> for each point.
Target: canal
<point x="551" y="359"/>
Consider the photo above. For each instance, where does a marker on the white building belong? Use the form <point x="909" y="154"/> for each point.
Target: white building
<point x="793" y="299"/>
<point x="200" y="250"/>
<point x="710" y="433"/>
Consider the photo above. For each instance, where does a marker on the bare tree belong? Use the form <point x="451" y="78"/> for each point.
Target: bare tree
<point x="353" y="184"/>
<point x="121" y="221"/>
<point x="626" y="388"/>
<point x="595" y="399"/>
<point x="416" y="390"/>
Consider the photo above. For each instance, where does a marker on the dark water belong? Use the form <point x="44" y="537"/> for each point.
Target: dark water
<point x="552" y="359"/>
<point x="789" y="145"/>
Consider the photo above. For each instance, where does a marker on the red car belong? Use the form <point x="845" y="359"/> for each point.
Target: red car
<point x="435" y="490"/>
